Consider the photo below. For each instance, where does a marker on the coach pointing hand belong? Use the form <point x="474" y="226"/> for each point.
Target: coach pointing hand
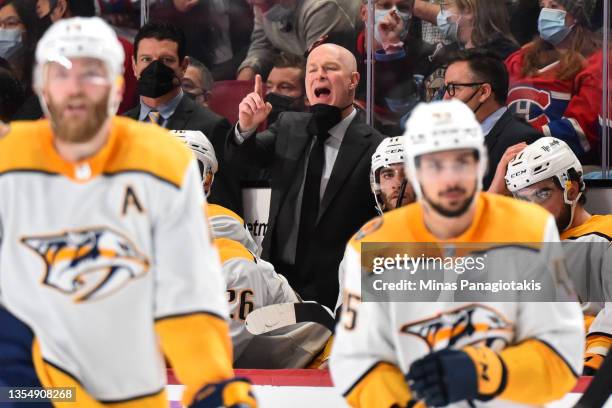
<point x="253" y="110"/>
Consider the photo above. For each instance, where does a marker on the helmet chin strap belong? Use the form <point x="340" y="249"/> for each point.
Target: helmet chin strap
<point x="572" y="204"/>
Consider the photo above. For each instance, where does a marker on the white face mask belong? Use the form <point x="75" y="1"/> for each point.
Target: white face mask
<point x="10" y="42"/>
<point x="449" y="29"/>
<point x="378" y="17"/>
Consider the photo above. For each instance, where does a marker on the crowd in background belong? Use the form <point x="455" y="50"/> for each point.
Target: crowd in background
<point x="526" y="68"/>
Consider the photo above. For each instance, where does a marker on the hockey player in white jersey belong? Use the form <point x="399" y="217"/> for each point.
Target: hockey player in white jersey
<point x="106" y="262"/>
<point x="252" y="283"/>
<point x="548" y="173"/>
<point x="224" y="222"/>
<point x="388" y="182"/>
<point x="404" y="354"/>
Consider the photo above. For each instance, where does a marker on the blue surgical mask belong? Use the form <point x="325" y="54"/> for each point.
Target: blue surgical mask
<point x="449" y="29"/>
<point x="10" y="42"/>
<point x="378" y="16"/>
<point x="551" y="25"/>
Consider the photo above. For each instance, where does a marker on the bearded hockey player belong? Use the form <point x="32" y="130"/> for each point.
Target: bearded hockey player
<point x="252" y="283"/>
<point x="548" y="173"/>
<point x="106" y="259"/>
<point x="399" y="354"/>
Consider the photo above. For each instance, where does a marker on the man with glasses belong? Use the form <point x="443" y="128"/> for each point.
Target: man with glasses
<point x="480" y="80"/>
<point x="198" y="82"/>
<point x="548" y="173"/>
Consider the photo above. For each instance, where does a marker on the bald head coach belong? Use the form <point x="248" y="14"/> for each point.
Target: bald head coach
<point x="319" y="164"/>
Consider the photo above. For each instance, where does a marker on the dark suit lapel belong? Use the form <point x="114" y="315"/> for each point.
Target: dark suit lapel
<point x="181" y="114"/>
<point x="492" y="138"/>
<point x="351" y="150"/>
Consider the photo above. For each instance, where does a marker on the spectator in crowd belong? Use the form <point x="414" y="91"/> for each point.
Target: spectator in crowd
<point x="320" y="164"/>
<point x="50" y="11"/>
<point x="401" y="63"/>
<point x="20" y="31"/>
<point x="555" y="81"/>
<point x="12" y="95"/>
<point x="198" y="82"/>
<point x="218" y="32"/>
<point x="482" y="24"/>
<point x="159" y="64"/>
<point x="480" y="80"/>
<point x="285" y="86"/>
<point x="294" y="26"/>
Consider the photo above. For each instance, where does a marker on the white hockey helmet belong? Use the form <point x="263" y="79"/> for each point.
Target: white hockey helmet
<point x="442" y="126"/>
<point x="80" y="37"/>
<point x="545" y="158"/>
<point x="389" y="151"/>
<point x="203" y="151"/>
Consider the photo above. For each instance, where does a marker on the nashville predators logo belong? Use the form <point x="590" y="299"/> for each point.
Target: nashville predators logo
<point x="88" y="264"/>
<point x="467" y="325"/>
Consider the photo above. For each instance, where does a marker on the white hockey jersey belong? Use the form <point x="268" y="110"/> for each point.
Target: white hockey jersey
<point x="108" y="259"/>
<point x="253" y="283"/>
<point x="227" y="224"/>
<point x="589" y="248"/>
<point x="376" y="342"/>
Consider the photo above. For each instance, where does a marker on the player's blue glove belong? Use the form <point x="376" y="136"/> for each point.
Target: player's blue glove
<point x="232" y="393"/>
<point x="448" y="376"/>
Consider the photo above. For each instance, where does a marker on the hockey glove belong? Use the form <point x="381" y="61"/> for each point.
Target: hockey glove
<point x="448" y="376"/>
<point x="232" y="393"/>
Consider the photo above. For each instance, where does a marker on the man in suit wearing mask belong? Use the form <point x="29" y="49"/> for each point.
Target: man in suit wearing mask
<point x="319" y="166"/>
<point x="159" y="64"/>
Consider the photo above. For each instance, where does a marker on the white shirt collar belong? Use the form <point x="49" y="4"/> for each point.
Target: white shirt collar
<point x="488" y="124"/>
<point x="338" y="131"/>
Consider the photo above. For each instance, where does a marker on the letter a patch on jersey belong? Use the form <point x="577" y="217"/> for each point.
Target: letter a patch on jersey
<point x="130" y="200"/>
<point x="88" y="264"/>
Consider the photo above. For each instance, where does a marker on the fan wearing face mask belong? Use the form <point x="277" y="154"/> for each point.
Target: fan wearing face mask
<point x="555" y="81"/>
<point x="19" y="33"/>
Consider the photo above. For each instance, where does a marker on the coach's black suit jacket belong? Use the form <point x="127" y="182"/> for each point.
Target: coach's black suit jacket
<point x="508" y="131"/>
<point x="346" y="204"/>
<point x="191" y="116"/>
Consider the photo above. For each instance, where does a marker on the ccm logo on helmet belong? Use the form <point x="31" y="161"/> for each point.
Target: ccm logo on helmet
<point x="519" y="173"/>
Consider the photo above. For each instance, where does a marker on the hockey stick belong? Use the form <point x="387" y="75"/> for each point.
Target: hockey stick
<point x="600" y="389"/>
<point x="272" y="317"/>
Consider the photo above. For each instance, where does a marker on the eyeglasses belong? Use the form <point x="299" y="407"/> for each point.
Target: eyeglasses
<point x="537" y="197"/>
<point x="10" y="23"/>
<point x="451" y="88"/>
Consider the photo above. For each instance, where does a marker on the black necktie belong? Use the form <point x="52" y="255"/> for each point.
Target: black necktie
<point x="310" y="200"/>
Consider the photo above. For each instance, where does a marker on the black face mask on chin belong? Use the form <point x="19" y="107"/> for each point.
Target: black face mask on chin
<point x="156" y="80"/>
<point x="281" y="103"/>
<point x="324" y="117"/>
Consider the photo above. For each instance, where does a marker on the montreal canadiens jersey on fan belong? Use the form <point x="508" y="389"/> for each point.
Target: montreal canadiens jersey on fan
<point x="565" y="109"/>
<point x="107" y="260"/>
<point x="541" y="343"/>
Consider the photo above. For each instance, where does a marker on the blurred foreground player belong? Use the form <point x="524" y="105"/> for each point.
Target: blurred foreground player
<point x="438" y="353"/>
<point x="548" y="173"/>
<point x="106" y="260"/>
<point x="252" y="284"/>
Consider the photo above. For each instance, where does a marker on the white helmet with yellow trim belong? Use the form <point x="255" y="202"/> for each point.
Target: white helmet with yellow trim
<point x="438" y="127"/>
<point x="204" y="153"/>
<point x="547" y="157"/>
<point x="389" y="151"/>
<point x="80" y="37"/>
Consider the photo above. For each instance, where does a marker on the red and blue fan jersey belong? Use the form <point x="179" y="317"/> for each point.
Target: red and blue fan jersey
<point x="565" y="109"/>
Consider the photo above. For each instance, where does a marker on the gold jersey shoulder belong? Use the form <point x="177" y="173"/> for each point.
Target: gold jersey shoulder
<point x="230" y="249"/>
<point x="600" y="225"/>
<point x="131" y="146"/>
<point x="497" y="219"/>
<point x="215" y="210"/>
